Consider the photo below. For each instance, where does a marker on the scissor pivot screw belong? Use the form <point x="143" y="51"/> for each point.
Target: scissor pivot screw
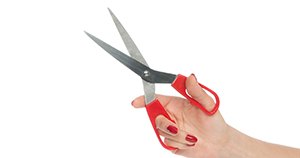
<point x="146" y="73"/>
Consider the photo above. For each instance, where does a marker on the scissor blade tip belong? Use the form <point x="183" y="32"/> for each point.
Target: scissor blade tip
<point x="87" y="33"/>
<point x="110" y="12"/>
<point x="91" y="36"/>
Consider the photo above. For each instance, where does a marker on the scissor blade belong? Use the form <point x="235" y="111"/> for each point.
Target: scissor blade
<point x="149" y="88"/>
<point x="132" y="64"/>
<point x="130" y="45"/>
<point x="143" y="71"/>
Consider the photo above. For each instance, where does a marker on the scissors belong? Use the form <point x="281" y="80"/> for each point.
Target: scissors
<point x="138" y="65"/>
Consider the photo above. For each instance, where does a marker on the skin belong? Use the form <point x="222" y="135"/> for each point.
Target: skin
<point x="215" y="138"/>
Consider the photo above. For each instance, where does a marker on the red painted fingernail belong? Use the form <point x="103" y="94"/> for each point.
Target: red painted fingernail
<point x="191" y="138"/>
<point x="172" y="129"/>
<point x="194" y="76"/>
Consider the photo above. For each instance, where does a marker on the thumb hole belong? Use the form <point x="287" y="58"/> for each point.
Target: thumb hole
<point x="198" y="93"/>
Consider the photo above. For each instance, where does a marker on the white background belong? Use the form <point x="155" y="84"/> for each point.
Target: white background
<point x="62" y="96"/>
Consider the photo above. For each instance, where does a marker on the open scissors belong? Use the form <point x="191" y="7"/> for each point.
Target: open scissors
<point x="138" y="64"/>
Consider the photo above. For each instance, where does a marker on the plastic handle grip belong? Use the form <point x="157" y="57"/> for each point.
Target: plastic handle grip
<point x="154" y="109"/>
<point x="179" y="85"/>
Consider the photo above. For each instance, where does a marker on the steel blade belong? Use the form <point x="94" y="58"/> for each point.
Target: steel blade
<point x="149" y="88"/>
<point x="129" y="43"/>
<point x="140" y="69"/>
<point x="132" y="64"/>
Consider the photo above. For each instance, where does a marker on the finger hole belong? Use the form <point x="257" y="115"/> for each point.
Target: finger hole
<point x="195" y="91"/>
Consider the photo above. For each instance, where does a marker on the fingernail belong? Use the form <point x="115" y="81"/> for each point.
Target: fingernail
<point x="172" y="129"/>
<point x="132" y="102"/>
<point x="194" y="76"/>
<point x="191" y="138"/>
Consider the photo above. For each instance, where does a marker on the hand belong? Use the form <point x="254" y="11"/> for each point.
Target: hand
<point x="194" y="133"/>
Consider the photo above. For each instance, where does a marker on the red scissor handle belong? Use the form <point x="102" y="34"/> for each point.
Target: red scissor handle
<point x="155" y="108"/>
<point x="179" y="85"/>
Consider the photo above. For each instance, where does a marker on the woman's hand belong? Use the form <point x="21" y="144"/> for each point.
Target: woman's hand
<point x="194" y="133"/>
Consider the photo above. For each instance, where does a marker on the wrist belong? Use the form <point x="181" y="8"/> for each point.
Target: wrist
<point x="238" y="145"/>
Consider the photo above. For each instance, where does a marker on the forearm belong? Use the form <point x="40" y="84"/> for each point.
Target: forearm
<point x="240" y="145"/>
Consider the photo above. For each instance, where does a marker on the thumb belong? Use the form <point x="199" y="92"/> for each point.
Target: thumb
<point x="197" y="93"/>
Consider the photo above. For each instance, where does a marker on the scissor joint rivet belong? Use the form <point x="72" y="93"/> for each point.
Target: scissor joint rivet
<point x="146" y="73"/>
